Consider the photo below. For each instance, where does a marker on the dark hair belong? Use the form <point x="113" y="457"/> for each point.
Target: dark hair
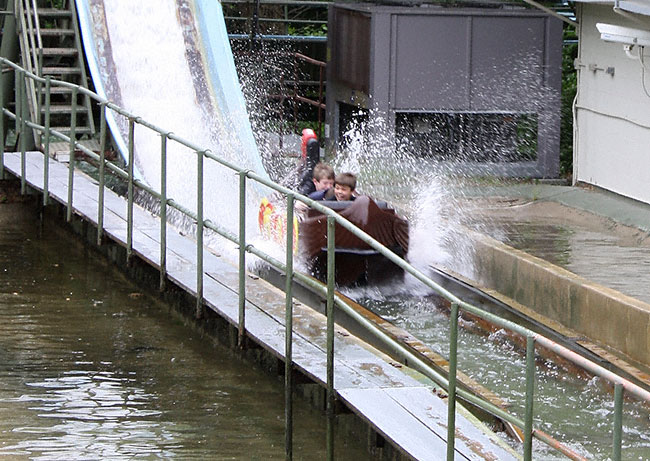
<point x="346" y="179"/>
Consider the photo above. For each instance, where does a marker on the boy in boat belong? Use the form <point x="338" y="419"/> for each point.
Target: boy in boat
<point x="344" y="186"/>
<point x="323" y="178"/>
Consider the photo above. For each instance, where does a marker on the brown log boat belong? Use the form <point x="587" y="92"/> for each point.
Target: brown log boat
<point x="356" y="263"/>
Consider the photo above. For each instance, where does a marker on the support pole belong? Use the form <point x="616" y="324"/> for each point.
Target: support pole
<point x="71" y="160"/>
<point x="163" y="211"/>
<point x="618" y="421"/>
<point x="46" y="147"/>
<point x="199" y="235"/>
<point x="330" y="335"/>
<point x="453" y="365"/>
<point x="2" y="125"/>
<point x="102" y="174"/>
<point x="23" y="130"/>
<point x="530" y="390"/>
<point x="242" y="259"/>
<point x="129" y="212"/>
<point x="288" y="325"/>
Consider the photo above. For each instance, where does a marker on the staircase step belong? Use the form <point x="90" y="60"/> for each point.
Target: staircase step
<point x="59" y="51"/>
<point x="56" y="32"/>
<point x="65" y="109"/>
<point x="59" y="90"/>
<point x="61" y="70"/>
<point x="54" y="13"/>
<point x="66" y="129"/>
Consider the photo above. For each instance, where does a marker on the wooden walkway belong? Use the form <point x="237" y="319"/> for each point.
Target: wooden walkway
<point x="406" y="412"/>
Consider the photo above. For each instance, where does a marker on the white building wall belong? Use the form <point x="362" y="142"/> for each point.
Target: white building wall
<point x="612" y="147"/>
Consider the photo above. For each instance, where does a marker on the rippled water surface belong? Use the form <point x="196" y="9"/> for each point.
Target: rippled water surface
<point x="577" y="410"/>
<point x="92" y="368"/>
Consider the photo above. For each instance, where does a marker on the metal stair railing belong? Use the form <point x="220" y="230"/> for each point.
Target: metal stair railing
<point x="32" y="52"/>
<point x="411" y="358"/>
<point x="31" y="48"/>
<point x="82" y="67"/>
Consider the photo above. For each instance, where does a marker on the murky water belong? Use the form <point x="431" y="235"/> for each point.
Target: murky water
<point x="578" y="411"/>
<point x="92" y="368"/>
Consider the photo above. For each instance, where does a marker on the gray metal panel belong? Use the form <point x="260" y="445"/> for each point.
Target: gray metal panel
<point x="455" y="60"/>
<point x="350" y="49"/>
<point x="431" y="61"/>
<point x="507" y="62"/>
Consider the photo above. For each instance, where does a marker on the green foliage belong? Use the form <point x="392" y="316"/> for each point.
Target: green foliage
<point x="311" y="30"/>
<point x="569" y="86"/>
<point x="58" y="4"/>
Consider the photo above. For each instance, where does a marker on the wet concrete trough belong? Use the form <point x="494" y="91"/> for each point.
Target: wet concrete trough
<point x="404" y="411"/>
<point x="600" y="294"/>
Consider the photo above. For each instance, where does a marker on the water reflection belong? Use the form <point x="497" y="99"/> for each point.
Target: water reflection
<point x="90" y="367"/>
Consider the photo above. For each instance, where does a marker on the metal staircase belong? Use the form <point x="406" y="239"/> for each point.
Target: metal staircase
<point x="50" y="46"/>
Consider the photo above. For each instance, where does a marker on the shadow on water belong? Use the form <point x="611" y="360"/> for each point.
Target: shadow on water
<point x="92" y="367"/>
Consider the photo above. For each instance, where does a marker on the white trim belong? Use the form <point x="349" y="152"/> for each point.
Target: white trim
<point x="635" y="6"/>
<point x="631" y="6"/>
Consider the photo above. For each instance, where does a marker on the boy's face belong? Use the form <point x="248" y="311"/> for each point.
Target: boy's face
<point x="323" y="184"/>
<point x="342" y="192"/>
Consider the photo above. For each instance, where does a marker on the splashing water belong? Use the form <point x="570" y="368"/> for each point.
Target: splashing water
<point x="164" y="78"/>
<point x="421" y="189"/>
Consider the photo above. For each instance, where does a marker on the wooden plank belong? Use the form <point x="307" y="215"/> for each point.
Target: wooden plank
<point x="397" y="425"/>
<point x="471" y="441"/>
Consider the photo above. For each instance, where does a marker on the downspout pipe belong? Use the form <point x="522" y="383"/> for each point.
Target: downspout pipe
<point x="539" y="6"/>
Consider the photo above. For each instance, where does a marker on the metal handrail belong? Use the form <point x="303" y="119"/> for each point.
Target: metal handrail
<point x="333" y="299"/>
<point x="30" y="34"/>
<point x="39" y="39"/>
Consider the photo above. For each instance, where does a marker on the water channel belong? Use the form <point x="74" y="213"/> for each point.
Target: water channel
<point x="577" y="410"/>
<point x="578" y="241"/>
<point x="93" y="368"/>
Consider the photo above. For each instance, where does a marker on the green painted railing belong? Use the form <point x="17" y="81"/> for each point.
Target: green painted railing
<point x="327" y="291"/>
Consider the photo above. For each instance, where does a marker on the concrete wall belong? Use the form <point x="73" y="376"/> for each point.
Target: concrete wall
<point x="612" y="144"/>
<point x="602" y="314"/>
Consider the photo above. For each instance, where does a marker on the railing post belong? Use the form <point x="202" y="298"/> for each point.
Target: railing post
<point x="453" y="365"/>
<point x="2" y="125"/>
<point x="102" y="175"/>
<point x="199" y="235"/>
<point x="46" y="147"/>
<point x="16" y="101"/>
<point x="38" y="90"/>
<point x="23" y="131"/>
<point x="288" y="326"/>
<point x="330" y="335"/>
<point x="618" y="421"/>
<point x="71" y="162"/>
<point x="530" y="390"/>
<point x="129" y="212"/>
<point x="163" y="211"/>
<point x="242" y="259"/>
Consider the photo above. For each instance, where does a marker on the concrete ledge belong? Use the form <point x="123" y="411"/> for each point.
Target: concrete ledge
<point x="602" y="314"/>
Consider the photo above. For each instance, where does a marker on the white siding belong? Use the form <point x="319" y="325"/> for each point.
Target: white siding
<point x="613" y="112"/>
